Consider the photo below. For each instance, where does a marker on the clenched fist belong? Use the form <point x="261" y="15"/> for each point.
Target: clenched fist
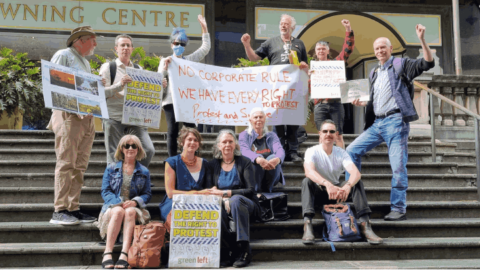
<point x="420" y="31"/>
<point x="346" y="24"/>
<point x="245" y="39"/>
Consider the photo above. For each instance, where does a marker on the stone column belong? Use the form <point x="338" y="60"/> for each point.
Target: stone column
<point x="458" y="114"/>
<point x="471" y="104"/>
<point x="436" y="106"/>
<point x="446" y="109"/>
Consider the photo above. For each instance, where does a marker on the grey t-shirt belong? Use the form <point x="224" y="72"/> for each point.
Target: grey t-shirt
<point x="331" y="166"/>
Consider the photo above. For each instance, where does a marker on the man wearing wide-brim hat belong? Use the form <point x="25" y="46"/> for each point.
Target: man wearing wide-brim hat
<point x="74" y="135"/>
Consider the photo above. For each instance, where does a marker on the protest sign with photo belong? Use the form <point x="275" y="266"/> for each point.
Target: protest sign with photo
<point x="143" y="100"/>
<point x="326" y="78"/>
<point x="195" y="231"/>
<point x="225" y="96"/>
<point x="356" y="89"/>
<point x="72" y="90"/>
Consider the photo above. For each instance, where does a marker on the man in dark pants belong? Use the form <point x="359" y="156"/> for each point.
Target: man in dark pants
<point x="323" y="165"/>
<point x="277" y="50"/>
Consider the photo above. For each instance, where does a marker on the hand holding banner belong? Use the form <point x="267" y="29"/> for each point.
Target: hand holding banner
<point x="326" y="78"/>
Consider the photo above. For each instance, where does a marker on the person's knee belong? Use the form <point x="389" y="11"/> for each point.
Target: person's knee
<point x="237" y="201"/>
<point x="130" y="212"/>
<point x="117" y="213"/>
<point x="306" y="182"/>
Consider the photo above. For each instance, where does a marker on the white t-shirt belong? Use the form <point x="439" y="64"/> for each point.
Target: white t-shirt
<point x="331" y="166"/>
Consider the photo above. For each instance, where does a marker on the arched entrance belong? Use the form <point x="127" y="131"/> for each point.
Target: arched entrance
<point x="367" y="28"/>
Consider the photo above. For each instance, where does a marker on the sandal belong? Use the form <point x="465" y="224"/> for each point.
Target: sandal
<point x="107" y="262"/>
<point x="122" y="262"/>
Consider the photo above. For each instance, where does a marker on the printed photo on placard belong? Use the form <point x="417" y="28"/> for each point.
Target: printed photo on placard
<point x="62" y="79"/>
<point x="64" y="102"/>
<point x="87" y="86"/>
<point x="89" y="106"/>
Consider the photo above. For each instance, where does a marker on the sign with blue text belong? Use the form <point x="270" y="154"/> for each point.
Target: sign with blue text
<point x="326" y="77"/>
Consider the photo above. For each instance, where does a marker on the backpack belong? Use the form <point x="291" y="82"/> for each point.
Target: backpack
<point x="340" y="224"/>
<point x="148" y="240"/>
<point x="398" y="69"/>
<point x="113" y="70"/>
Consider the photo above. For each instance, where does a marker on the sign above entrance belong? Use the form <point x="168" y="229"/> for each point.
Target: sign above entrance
<point x="146" y="18"/>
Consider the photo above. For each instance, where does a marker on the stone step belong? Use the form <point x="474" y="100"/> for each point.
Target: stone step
<point x="463" y="145"/>
<point x="292" y="180"/>
<point x="43" y="231"/>
<point x="9" y="195"/>
<point x="89" y="253"/>
<point x="16" y="166"/>
<point x="422" y="147"/>
<point x="100" y="155"/>
<point x="415" y="209"/>
<point x="156" y="136"/>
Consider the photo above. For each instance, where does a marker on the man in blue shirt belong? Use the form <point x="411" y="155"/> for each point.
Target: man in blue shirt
<point x="389" y="113"/>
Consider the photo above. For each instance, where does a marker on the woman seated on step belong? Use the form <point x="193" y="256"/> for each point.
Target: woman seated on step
<point x="265" y="151"/>
<point x="184" y="173"/>
<point x="232" y="177"/>
<point x="126" y="192"/>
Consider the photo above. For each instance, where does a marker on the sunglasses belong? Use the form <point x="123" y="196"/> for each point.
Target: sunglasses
<point x="179" y="43"/>
<point x="325" y="131"/>
<point x="127" y="146"/>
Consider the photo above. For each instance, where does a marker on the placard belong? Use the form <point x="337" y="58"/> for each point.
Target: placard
<point x="215" y="95"/>
<point x="195" y="231"/>
<point x="356" y="89"/>
<point x="73" y="90"/>
<point x="326" y="78"/>
<point x="143" y="101"/>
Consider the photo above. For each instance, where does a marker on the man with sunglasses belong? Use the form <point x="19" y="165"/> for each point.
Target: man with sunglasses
<point x="277" y="50"/>
<point x="116" y="77"/>
<point x="324" y="163"/>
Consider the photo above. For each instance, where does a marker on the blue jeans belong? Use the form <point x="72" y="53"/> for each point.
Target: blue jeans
<point x="394" y="132"/>
<point x="266" y="180"/>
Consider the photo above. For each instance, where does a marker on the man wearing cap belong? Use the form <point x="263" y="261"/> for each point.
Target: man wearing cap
<point x="116" y="80"/>
<point x="74" y="135"/>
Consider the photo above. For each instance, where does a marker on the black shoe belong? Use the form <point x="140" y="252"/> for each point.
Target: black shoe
<point x="84" y="218"/>
<point x="226" y="258"/>
<point x="243" y="260"/>
<point x="295" y="158"/>
<point x="64" y="218"/>
<point x="395" y="216"/>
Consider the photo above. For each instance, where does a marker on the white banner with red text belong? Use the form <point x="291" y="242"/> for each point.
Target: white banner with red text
<point x="213" y="95"/>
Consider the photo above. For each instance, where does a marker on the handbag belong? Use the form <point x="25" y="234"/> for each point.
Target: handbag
<point x="340" y="224"/>
<point x="147" y="243"/>
<point x="274" y="206"/>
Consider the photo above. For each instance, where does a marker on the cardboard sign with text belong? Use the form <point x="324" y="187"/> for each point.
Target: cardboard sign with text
<point x="143" y="101"/>
<point x="195" y="231"/>
<point x="326" y="78"/>
<point x="225" y="96"/>
<point x="356" y="89"/>
<point x="72" y="90"/>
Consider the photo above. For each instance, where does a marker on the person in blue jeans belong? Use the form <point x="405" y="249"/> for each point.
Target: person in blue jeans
<point x="264" y="150"/>
<point x="388" y="116"/>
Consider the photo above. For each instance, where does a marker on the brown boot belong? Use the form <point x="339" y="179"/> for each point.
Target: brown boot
<point x="366" y="230"/>
<point x="308" y="236"/>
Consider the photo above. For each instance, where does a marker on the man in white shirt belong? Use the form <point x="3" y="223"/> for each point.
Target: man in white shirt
<point x="324" y="163"/>
<point x="115" y="91"/>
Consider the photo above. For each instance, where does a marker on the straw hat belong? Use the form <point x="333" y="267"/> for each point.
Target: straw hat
<point x="81" y="31"/>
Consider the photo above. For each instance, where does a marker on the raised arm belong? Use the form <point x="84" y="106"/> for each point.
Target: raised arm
<point x="427" y="53"/>
<point x="348" y="43"/>
<point x="252" y="56"/>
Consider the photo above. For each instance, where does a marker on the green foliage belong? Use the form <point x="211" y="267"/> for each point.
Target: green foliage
<point x="247" y="63"/>
<point x="21" y="87"/>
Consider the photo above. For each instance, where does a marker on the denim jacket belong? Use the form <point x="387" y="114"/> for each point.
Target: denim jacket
<point x="112" y="185"/>
<point x="412" y="68"/>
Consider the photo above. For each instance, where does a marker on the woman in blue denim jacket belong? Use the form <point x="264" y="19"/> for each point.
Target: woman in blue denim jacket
<point x="126" y="192"/>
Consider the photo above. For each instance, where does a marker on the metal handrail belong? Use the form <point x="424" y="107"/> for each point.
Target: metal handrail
<point x="465" y="110"/>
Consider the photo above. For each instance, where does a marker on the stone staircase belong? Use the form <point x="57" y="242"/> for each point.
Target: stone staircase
<point x="443" y="208"/>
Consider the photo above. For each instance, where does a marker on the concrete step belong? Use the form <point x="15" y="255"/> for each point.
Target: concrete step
<point x="100" y="155"/>
<point x="89" y="253"/>
<point x="16" y="166"/>
<point x="9" y="195"/>
<point x="415" y="209"/>
<point x="467" y="146"/>
<point x="43" y="231"/>
<point x="46" y="134"/>
<point x="418" y="147"/>
<point x="292" y="180"/>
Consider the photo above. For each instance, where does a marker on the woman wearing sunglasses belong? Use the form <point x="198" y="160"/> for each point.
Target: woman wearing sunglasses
<point x="179" y="41"/>
<point x="184" y="173"/>
<point x="126" y="192"/>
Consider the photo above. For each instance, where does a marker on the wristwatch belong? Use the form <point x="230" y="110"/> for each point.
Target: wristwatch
<point x="225" y="194"/>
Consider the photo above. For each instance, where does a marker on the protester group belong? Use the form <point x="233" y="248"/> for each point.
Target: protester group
<point x="241" y="169"/>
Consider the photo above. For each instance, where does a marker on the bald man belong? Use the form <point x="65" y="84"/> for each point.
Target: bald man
<point x="389" y="113"/>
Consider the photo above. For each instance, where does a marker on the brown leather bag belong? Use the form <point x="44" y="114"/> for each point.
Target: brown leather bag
<point x="168" y="222"/>
<point x="148" y="240"/>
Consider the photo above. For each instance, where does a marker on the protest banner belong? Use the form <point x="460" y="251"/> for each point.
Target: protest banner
<point x="143" y="101"/>
<point x="356" y="89"/>
<point x="326" y="78"/>
<point x="214" y="95"/>
<point x="72" y="90"/>
<point x="195" y="231"/>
